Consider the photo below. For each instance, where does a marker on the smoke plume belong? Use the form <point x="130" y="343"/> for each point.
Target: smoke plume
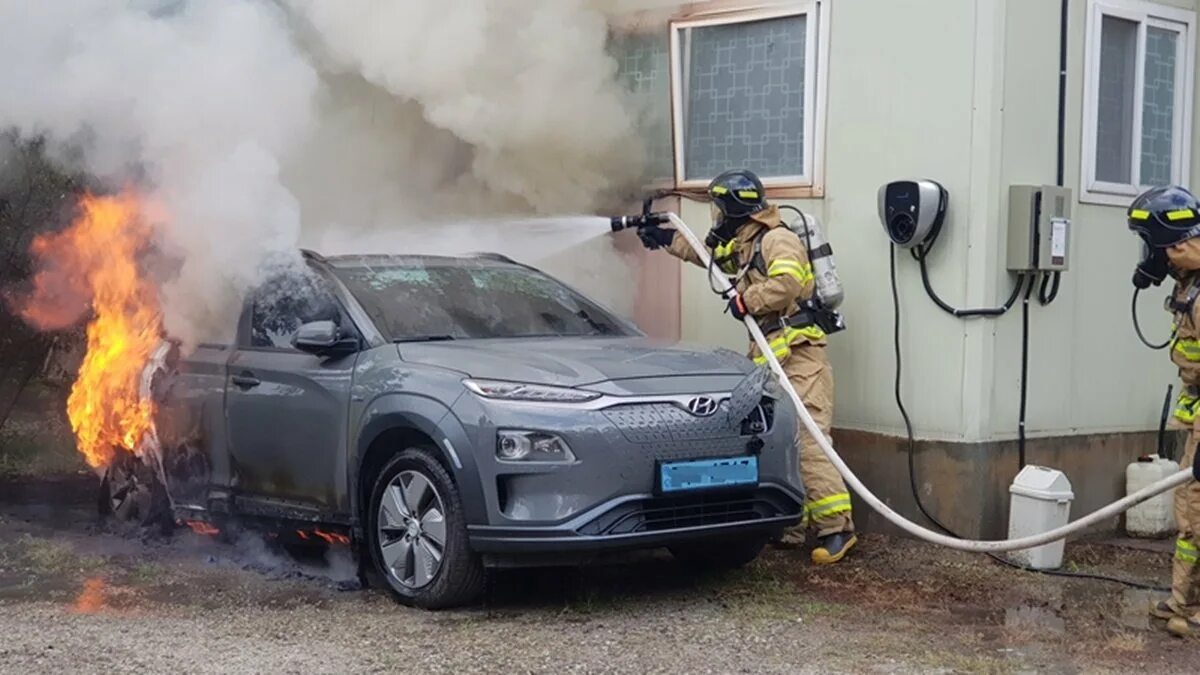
<point x="255" y="125"/>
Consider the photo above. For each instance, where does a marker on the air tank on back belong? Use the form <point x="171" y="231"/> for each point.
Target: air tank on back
<point x="829" y="285"/>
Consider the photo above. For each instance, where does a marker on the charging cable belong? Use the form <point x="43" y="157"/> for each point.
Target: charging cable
<point x="1052" y="280"/>
<point x="921" y="252"/>
<point x="963" y="313"/>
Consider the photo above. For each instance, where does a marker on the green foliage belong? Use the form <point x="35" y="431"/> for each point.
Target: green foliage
<point x="35" y="197"/>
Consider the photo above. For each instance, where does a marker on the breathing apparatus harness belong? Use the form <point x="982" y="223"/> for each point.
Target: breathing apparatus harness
<point x="812" y="311"/>
<point x="1185" y="305"/>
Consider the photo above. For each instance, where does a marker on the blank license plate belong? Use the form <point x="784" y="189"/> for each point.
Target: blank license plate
<point x="706" y="474"/>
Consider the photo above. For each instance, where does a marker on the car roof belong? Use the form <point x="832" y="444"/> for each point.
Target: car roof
<point x="400" y="260"/>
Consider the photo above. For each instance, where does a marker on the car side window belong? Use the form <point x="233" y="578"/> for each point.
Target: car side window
<point x="284" y="303"/>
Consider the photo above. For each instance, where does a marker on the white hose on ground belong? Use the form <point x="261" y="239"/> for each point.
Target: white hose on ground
<point x="972" y="545"/>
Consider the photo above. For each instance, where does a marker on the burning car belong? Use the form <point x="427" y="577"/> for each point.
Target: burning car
<point x="450" y="414"/>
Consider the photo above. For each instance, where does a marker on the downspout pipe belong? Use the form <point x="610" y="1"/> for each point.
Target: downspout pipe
<point x="1063" y="23"/>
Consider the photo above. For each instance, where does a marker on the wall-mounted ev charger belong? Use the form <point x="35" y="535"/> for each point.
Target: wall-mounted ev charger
<point x="912" y="212"/>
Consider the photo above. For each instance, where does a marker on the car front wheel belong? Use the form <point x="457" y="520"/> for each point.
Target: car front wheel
<point x="418" y="538"/>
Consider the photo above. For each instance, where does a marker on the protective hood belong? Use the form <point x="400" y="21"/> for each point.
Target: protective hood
<point x="1185" y="256"/>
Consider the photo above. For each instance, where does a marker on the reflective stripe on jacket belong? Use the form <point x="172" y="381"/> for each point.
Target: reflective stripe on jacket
<point x="1186" y="551"/>
<point x="1185" y="354"/>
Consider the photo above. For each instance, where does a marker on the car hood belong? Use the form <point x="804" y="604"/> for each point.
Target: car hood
<point x="574" y="362"/>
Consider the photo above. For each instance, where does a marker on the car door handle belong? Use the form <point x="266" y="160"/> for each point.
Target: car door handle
<point x="246" y="380"/>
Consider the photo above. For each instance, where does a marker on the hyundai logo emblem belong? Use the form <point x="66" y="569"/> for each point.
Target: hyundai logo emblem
<point x="702" y="406"/>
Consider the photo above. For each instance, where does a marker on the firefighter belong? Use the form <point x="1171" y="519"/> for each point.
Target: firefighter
<point x="772" y="275"/>
<point x="1168" y="220"/>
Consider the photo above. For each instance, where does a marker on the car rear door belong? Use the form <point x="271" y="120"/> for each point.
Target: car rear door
<point x="286" y="410"/>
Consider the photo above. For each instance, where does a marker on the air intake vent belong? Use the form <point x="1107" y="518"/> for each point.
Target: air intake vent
<point x="675" y="513"/>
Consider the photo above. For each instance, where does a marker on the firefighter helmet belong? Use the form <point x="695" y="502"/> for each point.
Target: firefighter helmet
<point x="737" y="194"/>
<point x="1165" y="216"/>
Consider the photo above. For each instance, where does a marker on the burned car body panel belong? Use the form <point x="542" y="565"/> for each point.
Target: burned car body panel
<point x="287" y="425"/>
<point x="292" y="435"/>
<point x="190" y="423"/>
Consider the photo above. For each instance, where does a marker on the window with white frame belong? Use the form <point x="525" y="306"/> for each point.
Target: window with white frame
<point x="1137" y="98"/>
<point x="745" y="95"/>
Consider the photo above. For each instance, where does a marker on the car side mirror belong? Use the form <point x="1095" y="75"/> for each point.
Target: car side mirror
<point x="324" y="338"/>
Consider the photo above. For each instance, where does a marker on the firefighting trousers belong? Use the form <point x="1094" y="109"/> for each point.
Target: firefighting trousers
<point x="1185" y="576"/>
<point x="828" y="501"/>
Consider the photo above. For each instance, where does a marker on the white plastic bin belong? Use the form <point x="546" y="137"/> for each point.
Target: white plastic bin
<point x="1041" y="501"/>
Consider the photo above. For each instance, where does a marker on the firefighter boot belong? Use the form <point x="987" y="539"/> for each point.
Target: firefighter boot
<point x="1185" y="627"/>
<point x="832" y="548"/>
<point x="1163" y="609"/>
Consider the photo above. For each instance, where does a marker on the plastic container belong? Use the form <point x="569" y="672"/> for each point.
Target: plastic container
<point x="1155" y="517"/>
<point x="1041" y="501"/>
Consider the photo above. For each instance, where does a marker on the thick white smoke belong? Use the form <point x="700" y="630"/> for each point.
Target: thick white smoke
<point x="257" y="125"/>
<point x="204" y="100"/>
<point x="526" y="84"/>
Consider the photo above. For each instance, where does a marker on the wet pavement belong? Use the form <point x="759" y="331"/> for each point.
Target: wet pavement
<point x="81" y="595"/>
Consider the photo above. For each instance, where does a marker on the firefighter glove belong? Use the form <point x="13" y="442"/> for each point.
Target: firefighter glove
<point x="737" y="307"/>
<point x="654" y="237"/>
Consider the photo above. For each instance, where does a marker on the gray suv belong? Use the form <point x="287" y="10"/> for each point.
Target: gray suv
<point x="449" y="414"/>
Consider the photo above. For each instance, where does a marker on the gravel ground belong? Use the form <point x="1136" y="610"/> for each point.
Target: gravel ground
<point x="77" y="595"/>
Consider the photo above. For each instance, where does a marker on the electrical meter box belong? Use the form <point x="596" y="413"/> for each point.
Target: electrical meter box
<point x="1039" y="228"/>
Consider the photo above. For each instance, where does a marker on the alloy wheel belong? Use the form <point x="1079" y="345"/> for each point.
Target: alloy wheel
<point x="412" y="529"/>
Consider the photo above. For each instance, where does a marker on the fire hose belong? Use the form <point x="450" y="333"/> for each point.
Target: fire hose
<point x="972" y="545"/>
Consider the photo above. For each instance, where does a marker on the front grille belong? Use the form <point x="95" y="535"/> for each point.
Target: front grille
<point x="665" y="423"/>
<point x="672" y="513"/>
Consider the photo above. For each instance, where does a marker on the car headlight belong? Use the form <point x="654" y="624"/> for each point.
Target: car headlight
<point x="532" y="447"/>
<point x="521" y="391"/>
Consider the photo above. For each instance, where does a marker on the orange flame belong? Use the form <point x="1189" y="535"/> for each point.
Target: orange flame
<point x="94" y="263"/>
<point x="327" y="537"/>
<point x="201" y="527"/>
<point x="332" y="537"/>
<point x="91" y="597"/>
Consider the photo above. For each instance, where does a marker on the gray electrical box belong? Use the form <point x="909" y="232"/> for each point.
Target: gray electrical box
<point x="1039" y="228"/>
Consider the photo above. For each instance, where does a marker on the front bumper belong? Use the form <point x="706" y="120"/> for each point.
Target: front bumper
<point x="609" y="498"/>
<point x="646" y="521"/>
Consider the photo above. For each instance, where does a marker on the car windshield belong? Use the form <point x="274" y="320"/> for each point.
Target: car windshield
<point x="451" y="299"/>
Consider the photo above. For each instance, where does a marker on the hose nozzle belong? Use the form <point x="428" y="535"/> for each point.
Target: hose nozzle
<point x="645" y="220"/>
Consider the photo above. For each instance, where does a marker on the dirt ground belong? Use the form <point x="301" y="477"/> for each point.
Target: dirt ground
<point x="79" y="595"/>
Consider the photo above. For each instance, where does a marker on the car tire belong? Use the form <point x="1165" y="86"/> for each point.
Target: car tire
<point x="719" y="554"/>
<point x="418" y="570"/>
<point x="131" y="492"/>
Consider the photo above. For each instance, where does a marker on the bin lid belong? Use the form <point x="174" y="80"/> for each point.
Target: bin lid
<point x="1039" y="482"/>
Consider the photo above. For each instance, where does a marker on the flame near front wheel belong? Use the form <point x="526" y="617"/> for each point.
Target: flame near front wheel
<point x="95" y="262"/>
